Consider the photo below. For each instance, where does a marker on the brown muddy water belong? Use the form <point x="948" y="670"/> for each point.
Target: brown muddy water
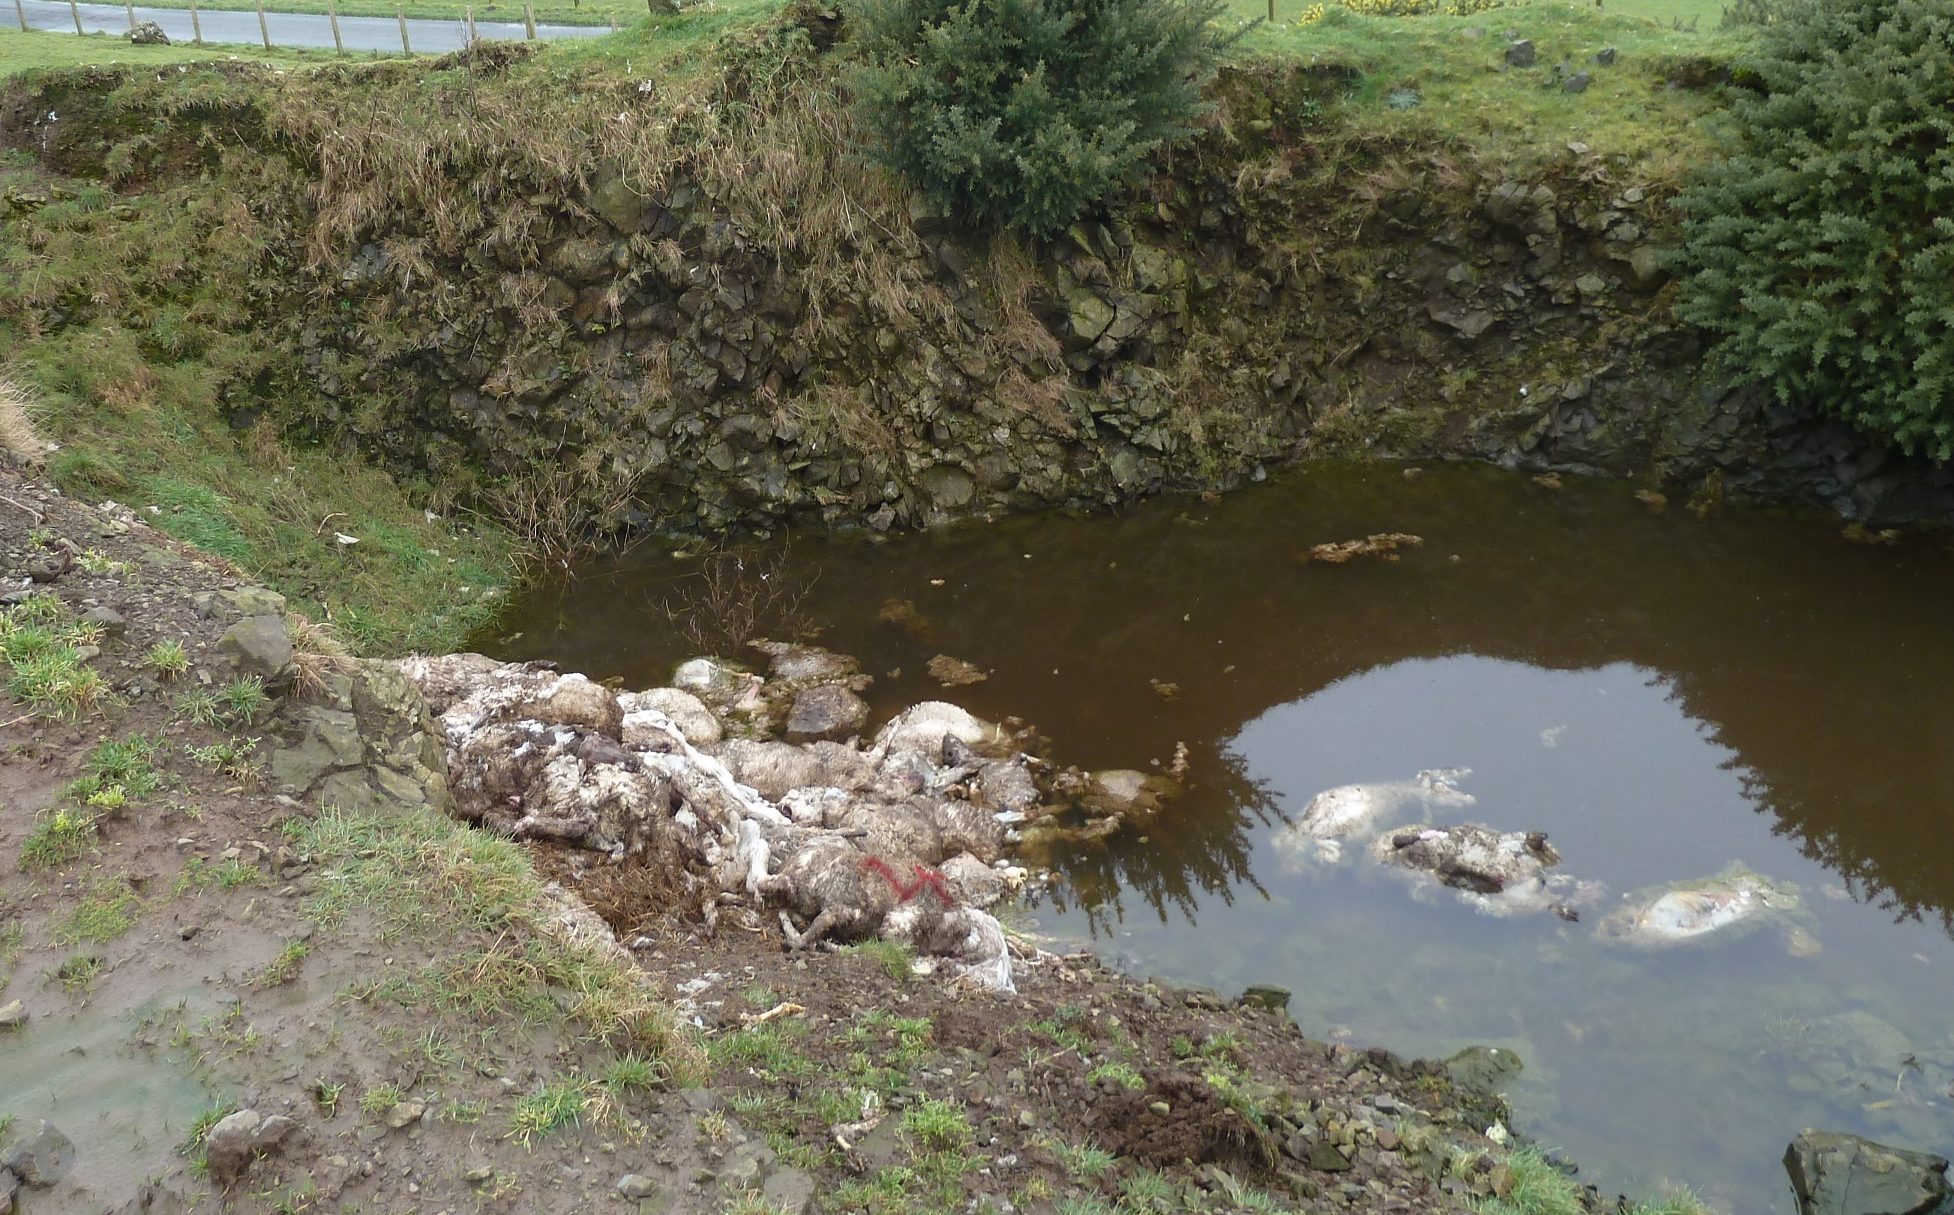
<point x="1662" y="694"/>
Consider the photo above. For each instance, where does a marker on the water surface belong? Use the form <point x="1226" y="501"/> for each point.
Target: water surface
<point x="1662" y="694"/>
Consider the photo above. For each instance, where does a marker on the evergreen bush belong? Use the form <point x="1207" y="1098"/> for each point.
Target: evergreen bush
<point x="1025" y="112"/>
<point x="1820" y="254"/>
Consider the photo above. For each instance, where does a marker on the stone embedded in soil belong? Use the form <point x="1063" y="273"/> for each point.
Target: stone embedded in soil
<point x="406" y="1114"/>
<point x="240" y="1137"/>
<point x="789" y="1191"/>
<point x="1521" y="53"/>
<point x="9" y="1186"/>
<point x="636" y="1186"/>
<point x="259" y="645"/>
<point x="1836" y="1174"/>
<point x="827" y="713"/>
<point x="40" y="1157"/>
<point x="107" y="619"/>
<point x="12" y="1015"/>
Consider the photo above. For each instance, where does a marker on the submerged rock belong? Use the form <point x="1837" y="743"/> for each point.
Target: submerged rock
<point x="1727" y="905"/>
<point x="1835" y="1174"/>
<point x="1348" y="810"/>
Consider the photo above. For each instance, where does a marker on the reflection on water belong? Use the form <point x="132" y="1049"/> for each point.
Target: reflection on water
<point x="1662" y="695"/>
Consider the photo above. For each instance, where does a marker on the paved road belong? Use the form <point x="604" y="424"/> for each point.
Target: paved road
<point x="287" y="29"/>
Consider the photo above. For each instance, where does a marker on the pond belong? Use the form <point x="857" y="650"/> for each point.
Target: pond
<point x="1662" y="694"/>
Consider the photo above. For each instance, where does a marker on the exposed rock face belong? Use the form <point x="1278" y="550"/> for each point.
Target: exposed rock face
<point x="1835" y="1174"/>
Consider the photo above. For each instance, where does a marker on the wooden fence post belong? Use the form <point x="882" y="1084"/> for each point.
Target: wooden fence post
<point x="20" y="10"/>
<point x="1272" y="12"/>
<point x="332" y="15"/>
<point x="405" y="49"/>
<point x="129" y="7"/>
<point x="74" y="10"/>
<point x="264" y="30"/>
<point x="196" y="26"/>
<point x="529" y="19"/>
<point x="473" y="37"/>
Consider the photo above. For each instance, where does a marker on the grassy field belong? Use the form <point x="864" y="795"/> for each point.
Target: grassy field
<point x="1703" y="13"/>
<point x="26" y="51"/>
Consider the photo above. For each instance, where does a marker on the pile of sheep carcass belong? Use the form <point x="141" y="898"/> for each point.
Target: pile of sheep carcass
<point x="901" y="839"/>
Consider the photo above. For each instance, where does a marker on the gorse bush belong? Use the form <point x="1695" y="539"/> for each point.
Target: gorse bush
<point x="1820" y="254"/>
<point x="1025" y="112"/>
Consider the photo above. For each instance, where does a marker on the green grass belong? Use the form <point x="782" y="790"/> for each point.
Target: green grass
<point x="59" y="835"/>
<point x="23" y="51"/>
<point x="770" y="1050"/>
<point x="896" y="959"/>
<point x="1540" y="1187"/>
<point x="549" y="1109"/>
<point x="105" y="912"/>
<point x="422" y="874"/>
<point x="1519" y="117"/>
<point x="937" y="1125"/>
<point x="381" y="1098"/>
<point x="78" y="973"/>
<point x="39" y="646"/>
<point x="168" y="659"/>
<point x="283" y="968"/>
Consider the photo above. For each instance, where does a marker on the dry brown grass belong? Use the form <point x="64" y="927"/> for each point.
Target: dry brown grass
<point x="20" y="440"/>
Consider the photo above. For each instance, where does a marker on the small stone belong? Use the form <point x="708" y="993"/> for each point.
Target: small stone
<point x="41" y="1157"/>
<point x="405" y="1114"/>
<point x="1161" y="1108"/>
<point x="1577" y="83"/>
<point x="1605" y="56"/>
<point x="1027" y="1119"/>
<point x="12" y="1015"/>
<point x="1387" y="1139"/>
<point x="1521" y="53"/>
<point x="635" y="1186"/>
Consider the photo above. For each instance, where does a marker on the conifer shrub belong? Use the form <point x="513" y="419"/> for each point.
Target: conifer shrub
<point x="1819" y="256"/>
<point x="1023" y="113"/>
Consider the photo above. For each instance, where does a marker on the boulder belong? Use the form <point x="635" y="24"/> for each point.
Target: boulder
<point x="259" y="645"/>
<point x="806" y="663"/>
<point x="1838" y="1174"/>
<point x="148" y="33"/>
<point x="971" y="880"/>
<point x="1520" y="53"/>
<point x="40" y="1157"/>
<point x="828" y="712"/>
<point x="12" y="1015"/>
